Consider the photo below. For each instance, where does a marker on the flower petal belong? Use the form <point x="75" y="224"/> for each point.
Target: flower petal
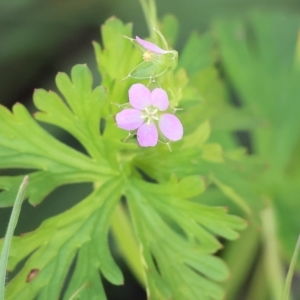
<point x="150" y="46"/>
<point x="171" y="127"/>
<point x="139" y="96"/>
<point x="159" y="99"/>
<point x="129" y="119"/>
<point x="147" y="135"/>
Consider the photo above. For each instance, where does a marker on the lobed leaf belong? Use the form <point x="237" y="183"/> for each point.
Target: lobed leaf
<point x="81" y="114"/>
<point x="177" y="237"/>
<point x="198" y="53"/>
<point x="255" y="56"/>
<point x="24" y="144"/>
<point x="179" y="256"/>
<point x="54" y="245"/>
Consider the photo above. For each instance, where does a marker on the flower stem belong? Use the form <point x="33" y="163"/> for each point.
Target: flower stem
<point x="273" y="268"/>
<point x="123" y="233"/>
<point x="149" y="9"/>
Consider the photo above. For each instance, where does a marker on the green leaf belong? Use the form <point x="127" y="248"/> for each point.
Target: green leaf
<point x="197" y="54"/>
<point x="177" y="237"/>
<point x="9" y="234"/>
<point x="271" y="258"/>
<point x="177" y="240"/>
<point x="231" y="193"/>
<point x="190" y="186"/>
<point x="239" y="119"/>
<point x="24" y="144"/>
<point x="86" y="277"/>
<point x="115" y="57"/>
<point x="262" y="53"/>
<point x="122" y="58"/>
<point x="287" y="208"/>
<point x="54" y="245"/>
<point x="203" y="98"/>
<point x="123" y="233"/>
<point x="289" y="277"/>
<point x="82" y="116"/>
<point x="169" y="29"/>
<point x="254" y="56"/>
<point x="213" y="153"/>
<point x="52" y="248"/>
<point x="240" y="260"/>
<point x="199" y="136"/>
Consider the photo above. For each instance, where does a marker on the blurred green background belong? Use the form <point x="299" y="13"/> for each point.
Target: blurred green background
<point x="38" y="38"/>
<point x="41" y="37"/>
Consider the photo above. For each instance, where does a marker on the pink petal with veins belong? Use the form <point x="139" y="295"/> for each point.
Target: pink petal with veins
<point x="129" y="119"/>
<point x="150" y="46"/>
<point x="139" y="96"/>
<point x="159" y="99"/>
<point x="147" y="135"/>
<point x="171" y="127"/>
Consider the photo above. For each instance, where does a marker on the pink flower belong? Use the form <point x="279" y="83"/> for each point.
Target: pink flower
<point x="156" y="62"/>
<point x="150" y="48"/>
<point x="149" y="116"/>
<point x="153" y="52"/>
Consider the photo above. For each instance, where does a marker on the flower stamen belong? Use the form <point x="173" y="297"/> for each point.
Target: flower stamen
<point x="147" y="56"/>
<point x="150" y="115"/>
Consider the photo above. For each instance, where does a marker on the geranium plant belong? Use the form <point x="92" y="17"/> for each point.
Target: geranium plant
<point x="161" y="193"/>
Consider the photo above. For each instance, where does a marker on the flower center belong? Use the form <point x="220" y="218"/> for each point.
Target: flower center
<point x="147" y="56"/>
<point x="150" y="113"/>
